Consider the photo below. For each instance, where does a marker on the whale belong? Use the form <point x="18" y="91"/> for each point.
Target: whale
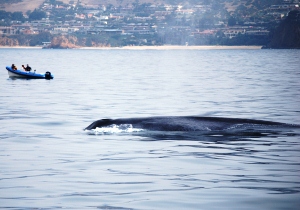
<point x="188" y="123"/>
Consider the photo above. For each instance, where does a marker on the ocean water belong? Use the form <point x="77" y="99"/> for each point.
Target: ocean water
<point x="48" y="161"/>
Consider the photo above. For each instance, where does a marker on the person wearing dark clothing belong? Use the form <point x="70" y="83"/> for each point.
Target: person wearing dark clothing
<point x="28" y="68"/>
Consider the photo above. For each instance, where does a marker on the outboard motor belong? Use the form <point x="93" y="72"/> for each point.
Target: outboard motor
<point x="48" y="75"/>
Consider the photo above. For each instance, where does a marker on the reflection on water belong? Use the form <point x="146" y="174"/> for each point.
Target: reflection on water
<point x="219" y="135"/>
<point x="150" y="170"/>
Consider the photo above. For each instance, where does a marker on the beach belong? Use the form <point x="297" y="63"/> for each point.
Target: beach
<point x="179" y="47"/>
<point x="163" y="47"/>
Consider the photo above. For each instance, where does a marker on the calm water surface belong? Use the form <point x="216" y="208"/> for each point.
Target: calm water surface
<point x="47" y="161"/>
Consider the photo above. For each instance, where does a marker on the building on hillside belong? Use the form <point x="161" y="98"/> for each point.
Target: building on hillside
<point x="64" y="30"/>
<point x="5" y="30"/>
<point x="257" y="32"/>
<point x="203" y="34"/>
<point x="231" y="33"/>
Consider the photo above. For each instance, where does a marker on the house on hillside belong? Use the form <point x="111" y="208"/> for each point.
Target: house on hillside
<point x="231" y="33"/>
<point x="203" y="34"/>
<point x="257" y="32"/>
<point x="5" y="30"/>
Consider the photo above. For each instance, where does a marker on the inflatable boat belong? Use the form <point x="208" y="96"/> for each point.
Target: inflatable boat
<point x="28" y="74"/>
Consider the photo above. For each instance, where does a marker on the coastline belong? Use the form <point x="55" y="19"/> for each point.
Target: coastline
<point x="177" y="47"/>
<point x="163" y="47"/>
<point x="19" y="47"/>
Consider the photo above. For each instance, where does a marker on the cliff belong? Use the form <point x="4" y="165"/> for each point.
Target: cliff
<point x="63" y="42"/>
<point x="5" y="41"/>
<point x="287" y="34"/>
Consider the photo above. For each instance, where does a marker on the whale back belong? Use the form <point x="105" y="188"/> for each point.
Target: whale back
<point x="185" y="123"/>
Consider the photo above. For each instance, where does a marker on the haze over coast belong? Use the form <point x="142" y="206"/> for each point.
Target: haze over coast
<point x="119" y="23"/>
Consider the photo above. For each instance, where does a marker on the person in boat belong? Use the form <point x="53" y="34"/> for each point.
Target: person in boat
<point x="28" y="68"/>
<point x="13" y="67"/>
<point x="23" y="67"/>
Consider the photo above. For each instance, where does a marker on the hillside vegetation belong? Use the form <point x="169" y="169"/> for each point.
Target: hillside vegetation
<point x="25" y="5"/>
<point x="20" y="5"/>
<point x="230" y="5"/>
<point x="95" y="23"/>
<point x="287" y="35"/>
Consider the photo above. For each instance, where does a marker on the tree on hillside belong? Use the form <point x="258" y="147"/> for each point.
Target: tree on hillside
<point x="207" y="21"/>
<point x="37" y="15"/>
<point x="4" y="14"/>
<point x="287" y="34"/>
<point x="17" y="16"/>
<point x="9" y="1"/>
<point x="231" y="21"/>
<point x="40" y="38"/>
<point x="11" y="16"/>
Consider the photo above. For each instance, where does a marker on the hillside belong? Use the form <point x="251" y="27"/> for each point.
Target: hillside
<point x="230" y="5"/>
<point x="195" y="22"/>
<point x="22" y="6"/>
<point x="287" y="34"/>
<point x="25" y="5"/>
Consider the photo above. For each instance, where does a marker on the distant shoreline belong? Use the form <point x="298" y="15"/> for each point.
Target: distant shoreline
<point x="19" y="47"/>
<point x="177" y="47"/>
<point x="163" y="47"/>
